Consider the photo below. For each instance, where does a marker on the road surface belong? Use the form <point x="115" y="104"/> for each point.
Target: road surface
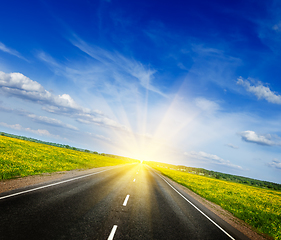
<point x="124" y="202"/>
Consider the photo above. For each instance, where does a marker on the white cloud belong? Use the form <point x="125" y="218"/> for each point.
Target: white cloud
<point x="19" y="81"/>
<point x="11" y="51"/>
<point x="262" y="92"/>
<point x="251" y="136"/>
<point x="275" y="163"/>
<point x="41" y="132"/>
<point x="207" y="157"/>
<point x="18" y="85"/>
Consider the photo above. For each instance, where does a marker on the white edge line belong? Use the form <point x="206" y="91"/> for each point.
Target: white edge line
<point x="126" y="200"/>
<point x="196" y="208"/>
<point x="111" y="236"/>
<point x="53" y="184"/>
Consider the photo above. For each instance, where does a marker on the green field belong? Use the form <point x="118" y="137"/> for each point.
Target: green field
<point x="20" y="158"/>
<point x="260" y="208"/>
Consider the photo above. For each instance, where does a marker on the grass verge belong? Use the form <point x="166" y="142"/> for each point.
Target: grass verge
<point x="20" y="158"/>
<point x="260" y="208"/>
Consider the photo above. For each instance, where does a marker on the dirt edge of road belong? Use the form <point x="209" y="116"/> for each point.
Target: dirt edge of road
<point x="12" y="184"/>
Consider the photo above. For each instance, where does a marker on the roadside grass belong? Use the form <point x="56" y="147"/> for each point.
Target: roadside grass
<point x="260" y="208"/>
<point x="20" y="158"/>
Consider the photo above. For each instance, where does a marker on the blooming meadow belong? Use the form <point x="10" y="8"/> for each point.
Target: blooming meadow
<point x="19" y="158"/>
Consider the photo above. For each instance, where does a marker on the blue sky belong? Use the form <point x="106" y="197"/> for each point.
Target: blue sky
<point x="181" y="82"/>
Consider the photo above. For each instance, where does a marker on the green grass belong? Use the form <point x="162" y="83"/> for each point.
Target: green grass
<point x="260" y="208"/>
<point x="19" y="158"/>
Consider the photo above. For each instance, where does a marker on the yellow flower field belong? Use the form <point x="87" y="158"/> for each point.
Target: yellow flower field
<point x="260" y="208"/>
<point x="19" y="158"/>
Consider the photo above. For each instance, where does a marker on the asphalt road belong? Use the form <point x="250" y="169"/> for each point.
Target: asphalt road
<point x="127" y="202"/>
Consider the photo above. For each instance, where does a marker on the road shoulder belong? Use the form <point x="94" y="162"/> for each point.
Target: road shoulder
<point x="12" y="184"/>
<point x="240" y="225"/>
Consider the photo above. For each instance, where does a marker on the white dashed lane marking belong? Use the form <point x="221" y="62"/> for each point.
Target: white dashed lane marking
<point x="111" y="236"/>
<point x="126" y="200"/>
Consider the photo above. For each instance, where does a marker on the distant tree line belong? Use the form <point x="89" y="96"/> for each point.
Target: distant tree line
<point x="222" y="176"/>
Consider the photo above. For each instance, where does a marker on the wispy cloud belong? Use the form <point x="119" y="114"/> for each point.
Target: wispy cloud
<point x="120" y="65"/>
<point x="87" y="72"/>
<point x="100" y="137"/>
<point x="277" y="27"/>
<point x="261" y="91"/>
<point x="41" y="132"/>
<point x="266" y="140"/>
<point x="48" y="59"/>
<point x="11" y="51"/>
<point x="203" y="50"/>
<point x="232" y="146"/>
<point x="20" y="112"/>
<point x="89" y="118"/>
<point x="211" y="158"/>
<point x="206" y="105"/>
<point x="20" y="86"/>
<point x="103" y="77"/>
<point x="275" y="163"/>
<point x="51" y="121"/>
<point x="269" y="28"/>
<point x="39" y="119"/>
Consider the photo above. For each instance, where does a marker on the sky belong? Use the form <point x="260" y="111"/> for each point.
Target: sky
<point x="194" y="83"/>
